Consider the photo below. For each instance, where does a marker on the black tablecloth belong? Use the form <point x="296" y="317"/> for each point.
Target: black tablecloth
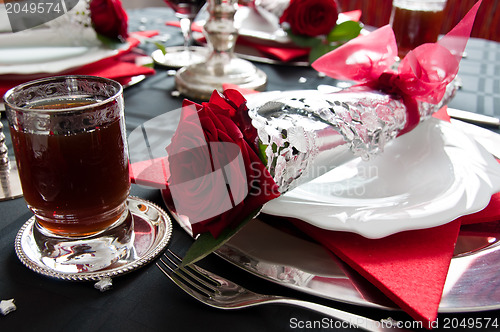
<point x="145" y="300"/>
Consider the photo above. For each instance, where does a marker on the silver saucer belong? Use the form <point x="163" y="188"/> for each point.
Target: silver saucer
<point x="175" y="59"/>
<point x="152" y="231"/>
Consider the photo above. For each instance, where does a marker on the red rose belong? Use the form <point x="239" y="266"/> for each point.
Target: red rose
<point x="311" y="17"/>
<point x="216" y="177"/>
<point x="109" y="18"/>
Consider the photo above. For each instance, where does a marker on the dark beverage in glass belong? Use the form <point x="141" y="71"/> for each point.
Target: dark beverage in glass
<point x="185" y="8"/>
<point x="175" y="56"/>
<point x="416" y="23"/>
<point x="77" y="183"/>
<point x="71" y="153"/>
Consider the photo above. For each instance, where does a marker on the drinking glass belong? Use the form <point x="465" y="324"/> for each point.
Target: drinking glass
<point x="177" y="57"/>
<point x="69" y="139"/>
<point x="416" y="22"/>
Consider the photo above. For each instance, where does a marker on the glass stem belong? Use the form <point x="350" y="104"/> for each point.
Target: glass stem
<point x="186" y="31"/>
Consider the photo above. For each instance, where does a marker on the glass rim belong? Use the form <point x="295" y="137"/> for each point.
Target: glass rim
<point x="17" y="88"/>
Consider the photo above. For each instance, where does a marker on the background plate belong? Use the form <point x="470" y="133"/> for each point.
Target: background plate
<point x="51" y="59"/>
<point x="285" y="258"/>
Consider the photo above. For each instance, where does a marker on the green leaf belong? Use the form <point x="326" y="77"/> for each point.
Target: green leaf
<point x="319" y="50"/>
<point x="109" y="42"/>
<point x="303" y="41"/>
<point x="206" y="243"/>
<point x="161" y="47"/>
<point x="262" y="152"/>
<point x="345" y="31"/>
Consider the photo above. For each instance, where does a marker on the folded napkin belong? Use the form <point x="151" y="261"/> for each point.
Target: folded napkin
<point x="4" y="19"/>
<point x="120" y="67"/>
<point x="410" y="267"/>
<point x="282" y="53"/>
<point x="70" y="29"/>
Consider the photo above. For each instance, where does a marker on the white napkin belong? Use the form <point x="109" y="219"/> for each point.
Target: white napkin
<point x="70" y="29"/>
<point x="4" y="20"/>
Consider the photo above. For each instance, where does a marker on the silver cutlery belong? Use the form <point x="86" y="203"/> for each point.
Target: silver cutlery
<point x="487" y="138"/>
<point x="474" y="118"/>
<point x="134" y="80"/>
<point x="221" y="293"/>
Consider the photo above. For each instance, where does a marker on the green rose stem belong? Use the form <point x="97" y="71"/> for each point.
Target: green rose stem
<point x="205" y="243"/>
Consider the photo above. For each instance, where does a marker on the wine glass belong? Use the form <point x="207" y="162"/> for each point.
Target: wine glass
<point x="177" y="57"/>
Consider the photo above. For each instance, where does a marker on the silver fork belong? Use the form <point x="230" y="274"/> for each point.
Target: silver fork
<point x="221" y="293"/>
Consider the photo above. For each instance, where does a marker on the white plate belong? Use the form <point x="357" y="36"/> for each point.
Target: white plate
<point x="34" y="60"/>
<point x="423" y="179"/>
<point x="20" y="56"/>
<point x="291" y="261"/>
<point x="294" y="262"/>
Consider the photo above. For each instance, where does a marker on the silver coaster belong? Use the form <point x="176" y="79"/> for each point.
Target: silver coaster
<point x="152" y="232"/>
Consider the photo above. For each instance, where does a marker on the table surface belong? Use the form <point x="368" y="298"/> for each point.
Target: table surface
<point x="145" y="300"/>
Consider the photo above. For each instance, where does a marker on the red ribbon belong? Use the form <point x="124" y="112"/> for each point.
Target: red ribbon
<point x="422" y="75"/>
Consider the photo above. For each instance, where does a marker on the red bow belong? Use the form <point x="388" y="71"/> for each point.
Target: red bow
<point x="422" y="75"/>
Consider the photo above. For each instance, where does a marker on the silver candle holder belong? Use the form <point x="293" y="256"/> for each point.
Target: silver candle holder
<point x="222" y="66"/>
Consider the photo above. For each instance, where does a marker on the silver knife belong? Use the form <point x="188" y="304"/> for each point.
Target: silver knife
<point x="474" y="117"/>
<point x="487" y="138"/>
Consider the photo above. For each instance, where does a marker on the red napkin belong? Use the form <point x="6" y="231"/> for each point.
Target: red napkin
<point x="488" y="214"/>
<point x="408" y="267"/>
<point x="354" y="15"/>
<point x="120" y="67"/>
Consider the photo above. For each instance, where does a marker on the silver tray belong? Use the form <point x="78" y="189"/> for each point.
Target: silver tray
<point x="473" y="282"/>
<point x="152" y="231"/>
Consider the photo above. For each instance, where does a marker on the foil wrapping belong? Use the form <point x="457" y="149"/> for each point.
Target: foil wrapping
<point x="303" y="137"/>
